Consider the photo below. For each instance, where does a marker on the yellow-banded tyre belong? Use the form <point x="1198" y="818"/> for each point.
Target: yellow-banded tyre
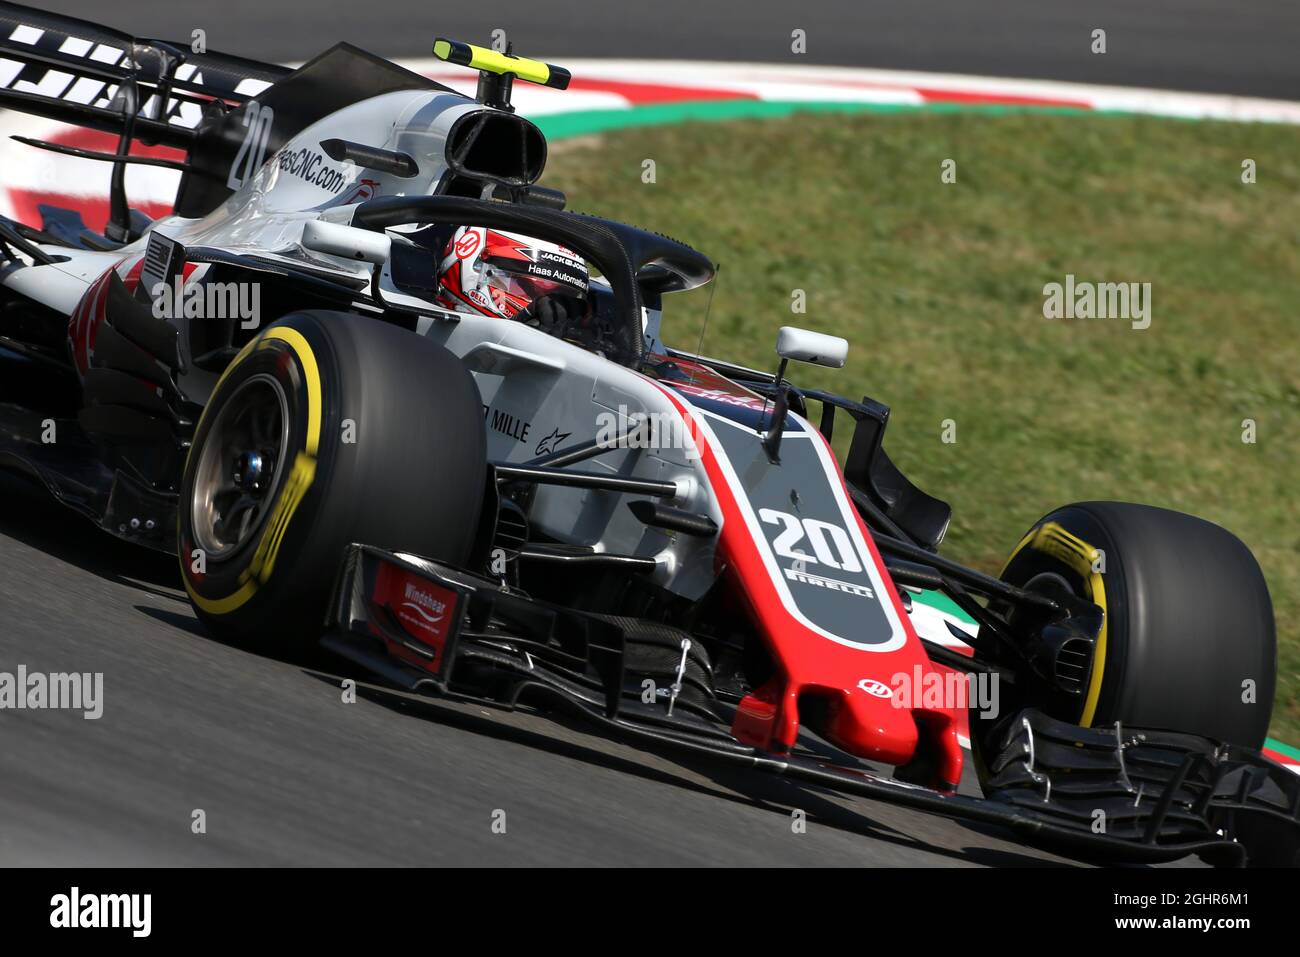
<point x="1188" y="643"/>
<point x="327" y="429"/>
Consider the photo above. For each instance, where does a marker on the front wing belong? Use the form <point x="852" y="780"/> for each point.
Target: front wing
<point x="1123" y="794"/>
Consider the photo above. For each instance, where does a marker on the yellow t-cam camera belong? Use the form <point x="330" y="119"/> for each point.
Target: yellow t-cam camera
<point x="490" y="61"/>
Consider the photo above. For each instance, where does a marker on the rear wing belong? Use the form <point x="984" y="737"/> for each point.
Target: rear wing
<point x="226" y="112"/>
<point x="78" y="72"/>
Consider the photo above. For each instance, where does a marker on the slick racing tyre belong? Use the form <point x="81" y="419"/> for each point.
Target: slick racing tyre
<point x="1188" y="641"/>
<point x="327" y="429"/>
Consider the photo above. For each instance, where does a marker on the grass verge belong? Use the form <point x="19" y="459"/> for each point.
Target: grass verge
<point x="939" y="288"/>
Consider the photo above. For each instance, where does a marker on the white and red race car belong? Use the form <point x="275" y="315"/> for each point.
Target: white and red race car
<point x="265" y="383"/>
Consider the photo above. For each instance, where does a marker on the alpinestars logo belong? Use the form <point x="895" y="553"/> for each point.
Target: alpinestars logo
<point x="551" y="442"/>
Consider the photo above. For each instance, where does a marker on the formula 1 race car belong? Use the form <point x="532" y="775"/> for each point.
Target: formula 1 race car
<point x="574" y="514"/>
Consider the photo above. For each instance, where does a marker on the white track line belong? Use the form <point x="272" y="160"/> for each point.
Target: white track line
<point x="771" y="82"/>
<point x="815" y="83"/>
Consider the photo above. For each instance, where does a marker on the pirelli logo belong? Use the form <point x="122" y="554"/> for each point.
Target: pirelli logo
<point x="834" y="584"/>
<point x="1071" y="550"/>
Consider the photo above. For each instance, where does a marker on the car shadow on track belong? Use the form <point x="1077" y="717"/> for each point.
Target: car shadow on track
<point x="33" y="517"/>
<point x="309" y="660"/>
<point x="580" y="741"/>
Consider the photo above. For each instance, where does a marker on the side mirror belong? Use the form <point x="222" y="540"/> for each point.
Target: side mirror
<point x="349" y="242"/>
<point x="803" y="345"/>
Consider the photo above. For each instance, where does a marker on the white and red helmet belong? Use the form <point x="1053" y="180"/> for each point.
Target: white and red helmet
<point x="500" y="274"/>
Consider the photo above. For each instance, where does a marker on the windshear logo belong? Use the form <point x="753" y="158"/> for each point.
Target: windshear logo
<point x="424" y="605"/>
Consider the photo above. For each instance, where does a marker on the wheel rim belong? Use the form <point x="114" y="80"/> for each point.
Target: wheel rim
<point x="239" y="467"/>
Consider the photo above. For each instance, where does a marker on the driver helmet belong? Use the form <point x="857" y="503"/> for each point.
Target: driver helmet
<point x="501" y="275"/>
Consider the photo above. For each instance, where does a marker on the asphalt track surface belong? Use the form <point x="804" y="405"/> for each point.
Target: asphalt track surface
<point x="1246" y="47"/>
<point x="285" y="771"/>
